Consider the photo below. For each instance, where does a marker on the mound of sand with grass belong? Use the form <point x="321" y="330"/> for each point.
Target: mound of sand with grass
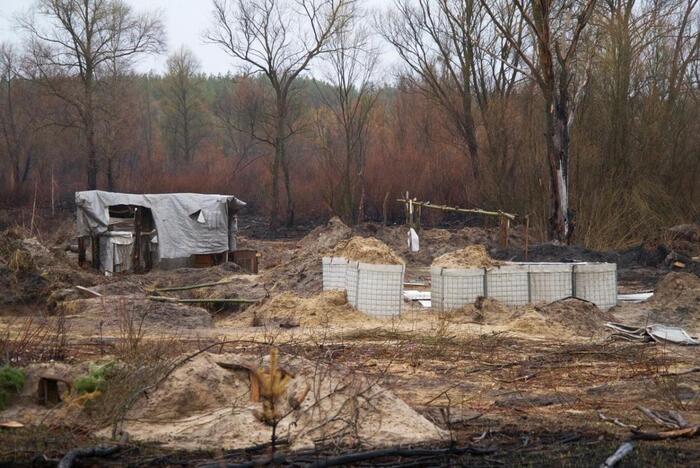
<point x="472" y="256"/>
<point x="289" y="310"/>
<point x="207" y="404"/>
<point x="368" y="250"/>
<point x="116" y="313"/>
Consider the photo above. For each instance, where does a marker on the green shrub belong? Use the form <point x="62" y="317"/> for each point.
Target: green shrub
<point x="11" y="383"/>
<point x="95" y="379"/>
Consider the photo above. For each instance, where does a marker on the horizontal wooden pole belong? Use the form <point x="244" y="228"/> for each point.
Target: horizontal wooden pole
<point x="193" y="286"/>
<point x="460" y="210"/>
<point x="201" y="301"/>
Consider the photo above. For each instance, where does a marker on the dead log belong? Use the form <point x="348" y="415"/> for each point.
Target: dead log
<point x="622" y="451"/>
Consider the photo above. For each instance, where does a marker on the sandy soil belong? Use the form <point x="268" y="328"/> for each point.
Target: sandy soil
<point x="487" y="375"/>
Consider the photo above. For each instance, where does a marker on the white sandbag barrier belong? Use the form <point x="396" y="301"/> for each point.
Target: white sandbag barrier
<point x="452" y="288"/>
<point x="596" y="282"/>
<point x="522" y="283"/>
<point x="376" y="290"/>
<point x="334" y="270"/>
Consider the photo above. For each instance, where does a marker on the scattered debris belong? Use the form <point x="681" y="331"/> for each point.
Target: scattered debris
<point x="657" y="333"/>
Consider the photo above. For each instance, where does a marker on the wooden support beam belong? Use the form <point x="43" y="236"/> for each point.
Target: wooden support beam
<point x="456" y="209"/>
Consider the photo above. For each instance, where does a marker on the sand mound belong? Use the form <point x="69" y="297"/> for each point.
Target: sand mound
<point x="289" y="310"/>
<point x="368" y="250"/>
<point x="572" y="317"/>
<point x="109" y="314"/>
<point x="485" y="311"/>
<point x="327" y="237"/>
<point x="472" y="256"/>
<point x="301" y="272"/>
<point x="676" y="301"/>
<point x="577" y="317"/>
<point x="203" y="405"/>
<point x="30" y="272"/>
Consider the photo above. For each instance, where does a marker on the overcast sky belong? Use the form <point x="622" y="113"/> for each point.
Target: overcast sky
<point x="185" y="20"/>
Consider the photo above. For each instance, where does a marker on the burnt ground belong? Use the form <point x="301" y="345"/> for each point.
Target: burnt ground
<point x="503" y="395"/>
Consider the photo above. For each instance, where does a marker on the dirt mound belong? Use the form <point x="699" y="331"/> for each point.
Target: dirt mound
<point x="289" y="310"/>
<point x="555" y="253"/>
<point x="568" y="317"/>
<point x="301" y="271"/>
<point x="368" y="250"/>
<point x="327" y="237"/>
<point x="111" y="314"/>
<point x="473" y="256"/>
<point x="581" y="317"/>
<point x="206" y="404"/>
<point x="676" y="301"/>
<point x="484" y="311"/>
<point x="30" y="272"/>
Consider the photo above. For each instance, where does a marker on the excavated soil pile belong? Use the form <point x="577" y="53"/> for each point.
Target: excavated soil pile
<point x="302" y="272"/>
<point x="473" y="256"/>
<point x="30" y="272"/>
<point x="568" y="317"/>
<point x="206" y="404"/>
<point x="434" y="241"/>
<point x="484" y="311"/>
<point x="114" y="313"/>
<point x="368" y="250"/>
<point x="676" y="301"/>
<point x="289" y="310"/>
<point x="574" y="316"/>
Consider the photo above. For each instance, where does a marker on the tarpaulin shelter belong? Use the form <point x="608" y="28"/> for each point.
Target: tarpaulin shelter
<point x="138" y="231"/>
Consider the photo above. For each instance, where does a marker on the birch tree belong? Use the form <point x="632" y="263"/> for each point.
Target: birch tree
<point x="556" y="29"/>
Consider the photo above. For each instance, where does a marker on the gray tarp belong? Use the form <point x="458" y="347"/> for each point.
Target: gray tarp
<point x="187" y="223"/>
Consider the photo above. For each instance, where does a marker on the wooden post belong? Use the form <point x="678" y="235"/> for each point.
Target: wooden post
<point x="385" y="208"/>
<point x="503" y="232"/>
<point x="81" y="251"/>
<point x="95" y="250"/>
<point x="527" y="234"/>
<point x="418" y="216"/>
<point x="136" y="254"/>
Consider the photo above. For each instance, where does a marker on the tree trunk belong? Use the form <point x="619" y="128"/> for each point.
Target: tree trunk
<point x="560" y="224"/>
<point x="91" y="151"/>
<point x="274" y="204"/>
<point x="288" y="188"/>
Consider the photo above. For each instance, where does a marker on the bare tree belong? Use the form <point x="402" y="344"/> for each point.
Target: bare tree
<point x="74" y="41"/>
<point x="19" y="119"/>
<point x="278" y="39"/>
<point x="556" y="28"/>
<point x="351" y="98"/>
<point x="185" y="118"/>
<point x="237" y="109"/>
<point x="435" y="40"/>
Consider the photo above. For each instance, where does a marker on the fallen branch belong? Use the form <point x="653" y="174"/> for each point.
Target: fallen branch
<point x="616" y="421"/>
<point x="687" y="432"/>
<point x="622" y="451"/>
<point x="202" y="301"/>
<point x="683" y="372"/>
<point x="70" y="458"/>
<point x="671" y="419"/>
<point x="88" y="291"/>
<point x="193" y="286"/>
<point x="400" y="452"/>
